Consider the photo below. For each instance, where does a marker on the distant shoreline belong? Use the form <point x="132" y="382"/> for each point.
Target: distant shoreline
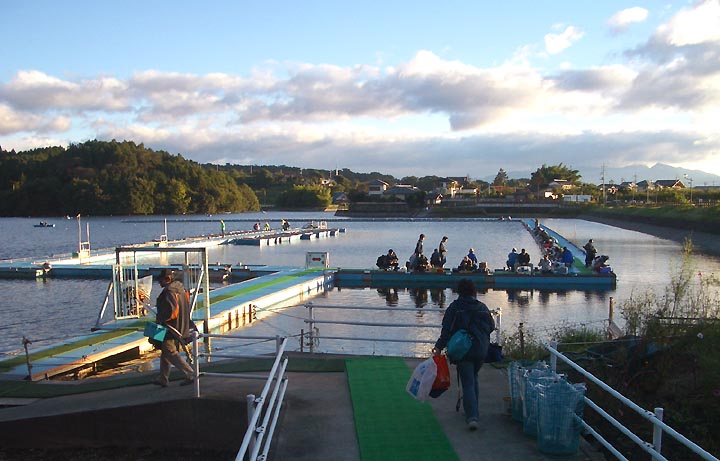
<point x="702" y="241"/>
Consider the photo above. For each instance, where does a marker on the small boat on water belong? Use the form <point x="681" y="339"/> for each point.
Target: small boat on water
<point x="44" y="224"/>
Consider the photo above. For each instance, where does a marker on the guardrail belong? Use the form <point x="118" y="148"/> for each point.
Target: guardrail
<point x="312" y="321"/>
<point x="653" y="417"/>
<point x="263" y="412"/>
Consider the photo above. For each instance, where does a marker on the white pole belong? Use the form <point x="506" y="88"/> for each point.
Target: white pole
<point x="251" y="409"/>
<point x="657" y="432"/>
<point x="79" y="235"/>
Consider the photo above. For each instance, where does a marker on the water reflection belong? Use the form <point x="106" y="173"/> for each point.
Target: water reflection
<point x="437" y="295"/>
<point x="519" y="297"/>
<point x="419" y="296"/>
<point x="390" y="295"/>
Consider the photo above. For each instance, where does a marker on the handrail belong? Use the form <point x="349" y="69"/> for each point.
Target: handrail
<point x="655" y="418"/>
<point x="259" y="433"/>
<point x="496" y="313"/>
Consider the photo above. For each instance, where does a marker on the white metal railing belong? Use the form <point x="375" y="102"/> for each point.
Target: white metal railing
<point x="312" y="321"/>
<point x="258" y="436"/>
<point x="655" y="418"/>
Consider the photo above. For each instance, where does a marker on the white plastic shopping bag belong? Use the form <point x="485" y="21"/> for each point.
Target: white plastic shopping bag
<point x="422" y="380"/>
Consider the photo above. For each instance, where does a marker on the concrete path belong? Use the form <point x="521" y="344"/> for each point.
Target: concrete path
<point x="317" y="422"/>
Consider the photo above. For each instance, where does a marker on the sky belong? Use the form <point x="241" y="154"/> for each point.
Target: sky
<point x="408" y="88"/>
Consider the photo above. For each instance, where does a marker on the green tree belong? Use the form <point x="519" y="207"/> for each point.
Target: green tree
<point x="310" y="196"/>
<point x="175" y="199"/>
<point x="547" y="174"/>
<point x="103" y="178"/>
<point x="501" y="178"/>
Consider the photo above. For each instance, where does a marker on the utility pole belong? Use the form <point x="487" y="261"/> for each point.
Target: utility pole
<point x="604" y="197"/>
<point x="691" y="186"/>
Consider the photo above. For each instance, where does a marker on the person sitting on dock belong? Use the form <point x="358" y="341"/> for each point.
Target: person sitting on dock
<point x="267" y="226"/>
<point x="567" y="257"/>
<point x="392" y="259"/>
<point x="466" y="265"/>
<point x="590" y="252"/>
<point x="544" y="265"/>
<point x="388" y="261"/>
<point x="598" y="265"/>
<point x="512" y="260"/>
<point x="285" y="225"/>
<point x="422" y="264"/>
<point x="523" y="259"/>
<point x="472" y="257"/>
<point x="256" y="226"/>
<point x="435" y="260"/>
<point x="173" y="311"/>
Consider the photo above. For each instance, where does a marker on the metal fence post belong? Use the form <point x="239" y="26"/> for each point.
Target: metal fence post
<point x="196" y="364"/>
<point x="657" y="432"/>
<point x="252" y="408"/>
<point x="312" y="327"/>
<point x="553" y="357"/>
<point x="25" y="343"/>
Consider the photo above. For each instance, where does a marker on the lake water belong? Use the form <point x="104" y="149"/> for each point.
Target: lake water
<point x="49" y="310"/>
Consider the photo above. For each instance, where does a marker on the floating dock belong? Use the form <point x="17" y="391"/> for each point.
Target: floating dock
<point x="279" y="238"/>
<point x="497" y="279"/>
<point x="230" y="307"/>
<point x="98" y="263"/>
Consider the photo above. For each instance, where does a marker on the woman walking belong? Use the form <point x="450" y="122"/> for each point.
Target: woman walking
<point x="467" y="313"/>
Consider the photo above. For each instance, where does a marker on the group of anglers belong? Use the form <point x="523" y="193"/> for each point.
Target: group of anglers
<point x="418" y="262"/>
<point x="558" y="260"/>
<point x="554" y="260"/>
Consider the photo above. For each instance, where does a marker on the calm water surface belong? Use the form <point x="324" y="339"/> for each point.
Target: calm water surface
<point x="56" y="309"/>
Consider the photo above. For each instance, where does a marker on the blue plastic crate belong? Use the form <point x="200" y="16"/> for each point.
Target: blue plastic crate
<point x="558" y="431"/>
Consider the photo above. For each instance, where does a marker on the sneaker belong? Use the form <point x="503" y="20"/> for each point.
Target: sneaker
<point x="157" y="382"/>
<point x="472" y="424"/>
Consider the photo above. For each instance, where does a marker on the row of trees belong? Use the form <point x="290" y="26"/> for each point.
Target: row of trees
<point x="114" y="178"/>
<point x="124" y="178"/>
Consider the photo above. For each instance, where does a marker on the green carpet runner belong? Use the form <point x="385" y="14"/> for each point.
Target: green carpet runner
<point x="390" y="424"/>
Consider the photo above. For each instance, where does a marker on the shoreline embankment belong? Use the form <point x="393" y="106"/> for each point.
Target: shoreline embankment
<point x="704" y="242"/>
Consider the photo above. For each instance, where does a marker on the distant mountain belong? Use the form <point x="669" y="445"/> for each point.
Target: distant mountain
<point x="631" y="173"/>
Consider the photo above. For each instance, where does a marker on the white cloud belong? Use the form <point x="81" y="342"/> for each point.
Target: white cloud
<point x="13" y="121"/>
<point x="34" y="90"/>
<point x="692" y="26"/>
<point x="621" y="20"/>
<point x="556" y="43"/>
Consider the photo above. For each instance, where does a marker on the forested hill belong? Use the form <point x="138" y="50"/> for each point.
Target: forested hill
<point x="115" y="178"/>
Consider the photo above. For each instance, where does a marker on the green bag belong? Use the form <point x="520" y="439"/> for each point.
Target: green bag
<point x="459" y="345"/>
<point x="155" y="332"/>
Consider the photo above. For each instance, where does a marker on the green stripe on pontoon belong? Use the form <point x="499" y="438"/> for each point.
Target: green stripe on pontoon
<point x="9" y="364"/>
<point x="389" y="423"/>
<point x="255" y="287"/>
<point x="6" y="365"/>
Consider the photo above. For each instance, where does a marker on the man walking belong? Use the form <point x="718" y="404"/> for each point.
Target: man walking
<point x="173" y="311"/>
